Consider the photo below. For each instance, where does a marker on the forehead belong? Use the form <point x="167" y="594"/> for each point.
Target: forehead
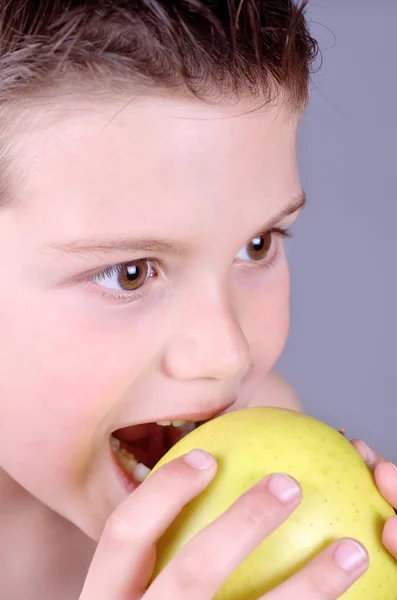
<point x="82" y="160"/>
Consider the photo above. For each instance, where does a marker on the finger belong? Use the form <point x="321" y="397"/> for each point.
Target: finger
<point x="125" y="556"/>
<point x="327" y="576"/>
<point x="200" y="568"/>
<point x="386" y="481"/>
<point x="385" y="472"/>
<point x="371" y="456"/>
<point x="389" y="536"/>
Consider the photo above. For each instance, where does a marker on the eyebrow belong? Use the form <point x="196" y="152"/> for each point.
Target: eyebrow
<point x="160" y="246"/>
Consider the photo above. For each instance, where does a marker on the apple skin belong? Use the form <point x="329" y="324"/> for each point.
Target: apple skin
<point x="340" y="499"/>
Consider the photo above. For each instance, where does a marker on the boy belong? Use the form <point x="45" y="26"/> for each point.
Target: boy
<point x="148" y="177"/>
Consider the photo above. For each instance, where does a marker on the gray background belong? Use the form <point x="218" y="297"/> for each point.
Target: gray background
<point x="342" y="351"/>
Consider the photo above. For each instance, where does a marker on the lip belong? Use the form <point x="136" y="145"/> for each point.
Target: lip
<point x="198" y="416"/>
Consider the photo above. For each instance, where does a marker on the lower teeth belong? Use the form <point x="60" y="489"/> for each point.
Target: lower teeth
<point x="129" y="463"/>
<point x="141" y="471"/>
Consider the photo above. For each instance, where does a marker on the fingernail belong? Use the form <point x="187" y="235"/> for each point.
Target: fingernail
<point x="199" y="459"/>
<point x="371" y="456"/>
<point x="283" y="487"/>
<point x="350" y="555"/>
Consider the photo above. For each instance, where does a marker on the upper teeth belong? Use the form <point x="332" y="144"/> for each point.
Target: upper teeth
<point x="175" y="423"/>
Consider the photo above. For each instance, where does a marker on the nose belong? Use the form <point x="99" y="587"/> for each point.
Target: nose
<point x="208" y="342"/>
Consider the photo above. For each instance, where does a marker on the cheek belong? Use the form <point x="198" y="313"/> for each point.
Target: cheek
<point x="64" y="372"/>
<point x="68" y="375"/>
<point x="266" y="317"/>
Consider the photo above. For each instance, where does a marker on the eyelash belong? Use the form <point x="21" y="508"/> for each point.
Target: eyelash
<point x="279" y="232"/>
<point x="118" y="269"/>
<point x="155" y="264"/>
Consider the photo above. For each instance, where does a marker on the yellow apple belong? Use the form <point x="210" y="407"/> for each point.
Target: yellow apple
<point x="340" y="498"/>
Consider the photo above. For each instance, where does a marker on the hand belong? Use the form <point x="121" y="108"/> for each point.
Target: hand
<point x="125" y="556"/>
<point x="385" y="474"/>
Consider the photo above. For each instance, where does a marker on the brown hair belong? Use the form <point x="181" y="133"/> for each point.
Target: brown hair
<point x="211" y="48"/>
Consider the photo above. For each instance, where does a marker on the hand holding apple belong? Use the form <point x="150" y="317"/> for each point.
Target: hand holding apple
<point x="340" y="499"/>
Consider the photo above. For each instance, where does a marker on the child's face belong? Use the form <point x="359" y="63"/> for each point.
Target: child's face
<point x="184" y="335"/>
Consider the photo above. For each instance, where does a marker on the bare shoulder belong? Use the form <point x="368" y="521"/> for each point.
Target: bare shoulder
<point x="278" y="392"/>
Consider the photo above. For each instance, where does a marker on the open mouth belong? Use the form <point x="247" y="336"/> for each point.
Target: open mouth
<point x="137" y="449"/>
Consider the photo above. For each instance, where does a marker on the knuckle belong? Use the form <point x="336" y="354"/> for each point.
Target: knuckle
<point x="170" y="469"/>
<point x="254" y="509"/>
<point x="117" y="531"/>
<point x="197" y="570"/>
<point x="324" y="584"/>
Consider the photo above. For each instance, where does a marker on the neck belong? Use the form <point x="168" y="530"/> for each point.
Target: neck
<point x="51" y="553"/>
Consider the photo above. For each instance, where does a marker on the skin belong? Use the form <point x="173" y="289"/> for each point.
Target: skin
<point x="78" y="363"/>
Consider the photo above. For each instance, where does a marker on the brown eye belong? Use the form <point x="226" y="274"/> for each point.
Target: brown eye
<point x="259" y="246"/>
<point x="133" y="276"/>
<point x="127" y="277"/>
